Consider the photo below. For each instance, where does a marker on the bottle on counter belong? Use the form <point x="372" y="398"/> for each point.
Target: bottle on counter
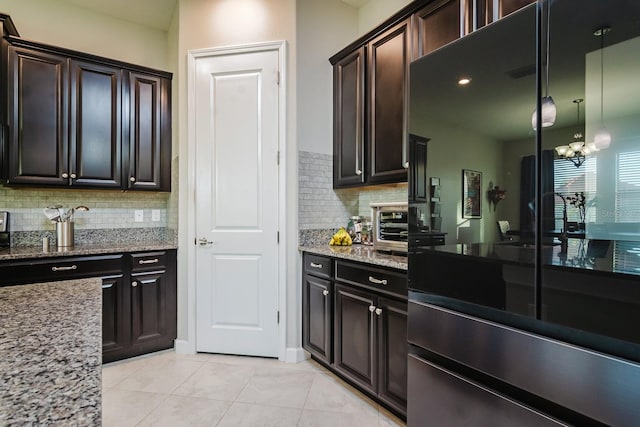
<point x="354" y="228"/>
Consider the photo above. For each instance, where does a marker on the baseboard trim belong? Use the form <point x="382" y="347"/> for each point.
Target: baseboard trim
<point x="183" y="347"/>
<point x="295" y="355"/>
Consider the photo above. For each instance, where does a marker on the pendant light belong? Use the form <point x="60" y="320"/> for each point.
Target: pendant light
<point x="577" y="150"/>
<point x="548" y="112"/>
<point x="602" y="138"/>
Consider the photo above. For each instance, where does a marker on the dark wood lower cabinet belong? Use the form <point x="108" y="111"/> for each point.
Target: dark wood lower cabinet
<point x="362" y="311"/>
<point x="139" y="302"/>
<point x="317" y="322"/>
<point x="393" y="349"/>
<point x="114" y="327"/>
<point x="355" y="335"/>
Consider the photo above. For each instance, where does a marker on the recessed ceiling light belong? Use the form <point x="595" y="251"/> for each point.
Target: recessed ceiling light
<point x="464" y="81"/>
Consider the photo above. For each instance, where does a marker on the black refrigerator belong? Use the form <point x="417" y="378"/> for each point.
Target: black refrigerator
<point x="529" y="314"/>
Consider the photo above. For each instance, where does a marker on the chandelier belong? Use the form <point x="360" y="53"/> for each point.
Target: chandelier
<point x="577" y="150"/>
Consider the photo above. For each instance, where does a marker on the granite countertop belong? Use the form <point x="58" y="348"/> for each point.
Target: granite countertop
<point x="26" y="252"/>
<point x="51" y="353"/>
<point x="358" y="253"/>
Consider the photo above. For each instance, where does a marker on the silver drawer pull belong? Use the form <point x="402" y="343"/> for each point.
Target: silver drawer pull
<point x="73" y="267"/>
<point x="314" y="265"/>
<point x="377" y="281"/>
<point x="325" y="292"/>
<point x="148" y="261"/>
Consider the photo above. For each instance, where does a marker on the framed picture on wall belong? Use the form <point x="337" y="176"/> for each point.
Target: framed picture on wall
<point x="471" y="194"/>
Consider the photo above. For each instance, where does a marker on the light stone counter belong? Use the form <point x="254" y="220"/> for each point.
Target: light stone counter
<point x="51" y="353"/>
<point x="358" y="253"/>
<point x="28" y="252"/>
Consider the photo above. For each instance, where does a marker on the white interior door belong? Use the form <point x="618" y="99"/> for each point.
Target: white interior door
<point x="236" y="201"/>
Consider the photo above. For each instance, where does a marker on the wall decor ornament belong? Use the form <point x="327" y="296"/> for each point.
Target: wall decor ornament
<point x="495" y="194"/>
<point x="471" y="194"/>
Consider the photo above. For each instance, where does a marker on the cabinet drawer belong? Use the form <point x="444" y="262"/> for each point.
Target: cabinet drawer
<point x="385" y="281"/>
<point x="149" y="261"/>
<point x="319" y="266"/>
<point x="62" y="268"/>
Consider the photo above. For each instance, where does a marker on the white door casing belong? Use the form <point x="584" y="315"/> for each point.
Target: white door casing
<point x="236" y="128"/>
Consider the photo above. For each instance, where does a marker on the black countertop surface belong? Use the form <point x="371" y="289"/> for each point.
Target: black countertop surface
<point x="620" y="257"/>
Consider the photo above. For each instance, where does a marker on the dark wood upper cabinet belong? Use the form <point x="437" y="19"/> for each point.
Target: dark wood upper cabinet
<point x="95" y="129"/>
<point x="389" y="56"/>
<point x="349" y="121"/>
<point x="80" y="120"/>
<point x="38" y="117"/>
<point x="435" y="25"/>
<point x="149" y="158"/>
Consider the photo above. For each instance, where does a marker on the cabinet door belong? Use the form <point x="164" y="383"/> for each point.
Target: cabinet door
<point x="418" y="169"/>
<point x="355" y="346"/>
<point x="392" y="341"/>
<point x="95" y="126"/>
<point x="115" y="319"/>
<point x="147" y="96"/>
<point x="38" y="117"/>
<point x="436" y="25"/>
<point x="389" y="56"/>
<point x="348" y="120"/>
<point x="149" y="326"/>
<point x="316" y="317"/>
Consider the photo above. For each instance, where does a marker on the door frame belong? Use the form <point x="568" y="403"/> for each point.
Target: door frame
<point x="279" y="46"/>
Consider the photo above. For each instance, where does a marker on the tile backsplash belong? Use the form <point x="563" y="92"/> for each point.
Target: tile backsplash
<point x="320" y="207"/>
<point x="107" y="209"/>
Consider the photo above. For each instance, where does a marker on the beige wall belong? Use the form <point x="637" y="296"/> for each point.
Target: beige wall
<point x="217" y="23"/>
<point x="315" y="74"/>
<point x="63" y="24"/>
<point x="376" y="11"/>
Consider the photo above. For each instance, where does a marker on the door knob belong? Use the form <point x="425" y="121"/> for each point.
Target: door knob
<point x="204" y="242"/>
<point x="378" y="311"/>
<point x="325" y="292"/>
<point x="134" y="284"/>
<point x="372" y="308"/>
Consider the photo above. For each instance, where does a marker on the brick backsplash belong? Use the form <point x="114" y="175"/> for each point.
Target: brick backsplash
<point x="107" y="209"/>
<point x="322" y="207"/>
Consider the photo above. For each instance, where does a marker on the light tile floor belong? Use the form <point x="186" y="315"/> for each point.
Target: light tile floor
<point x="167" y="389"/>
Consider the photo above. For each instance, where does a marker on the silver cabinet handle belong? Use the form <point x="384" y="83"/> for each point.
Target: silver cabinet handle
<point x="134" y="284"/>
<point x="378" y="311"/>
<point x="148" y="261"/>
<point x="406" y="165"/>
<point x="372" y="308"/>
<point x="358" y="172"/>
<point x="314" y="265"/>
<point x="377" y="281"/>
<point x="73" y="176"/>
<point x="65" y="175"/>
<point x="325" y="292"/>
<point x="204" y="242"/>
<point x="132" y="179"/>
<point x="71" y="267"/>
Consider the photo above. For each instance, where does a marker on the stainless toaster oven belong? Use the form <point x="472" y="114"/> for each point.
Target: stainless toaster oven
<point x="390" y="226"/>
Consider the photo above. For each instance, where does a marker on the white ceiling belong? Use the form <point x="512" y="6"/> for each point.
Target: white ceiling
<point x="151" y="13"/>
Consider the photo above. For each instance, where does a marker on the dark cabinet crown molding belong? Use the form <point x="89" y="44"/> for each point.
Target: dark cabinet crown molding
<point x="396" y="18"/>
<point x="9" y="29"/>
<point x="74" y="54"/>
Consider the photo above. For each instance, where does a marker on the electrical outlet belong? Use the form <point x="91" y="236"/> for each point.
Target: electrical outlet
<point x="138" y="215"/>
<point x="155" y="215"/>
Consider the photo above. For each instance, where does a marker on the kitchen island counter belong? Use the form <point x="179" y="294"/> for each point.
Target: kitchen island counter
<point x="28" y="252"/>
<point x="50" y="353"/>
<point x="360" y="253"/>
